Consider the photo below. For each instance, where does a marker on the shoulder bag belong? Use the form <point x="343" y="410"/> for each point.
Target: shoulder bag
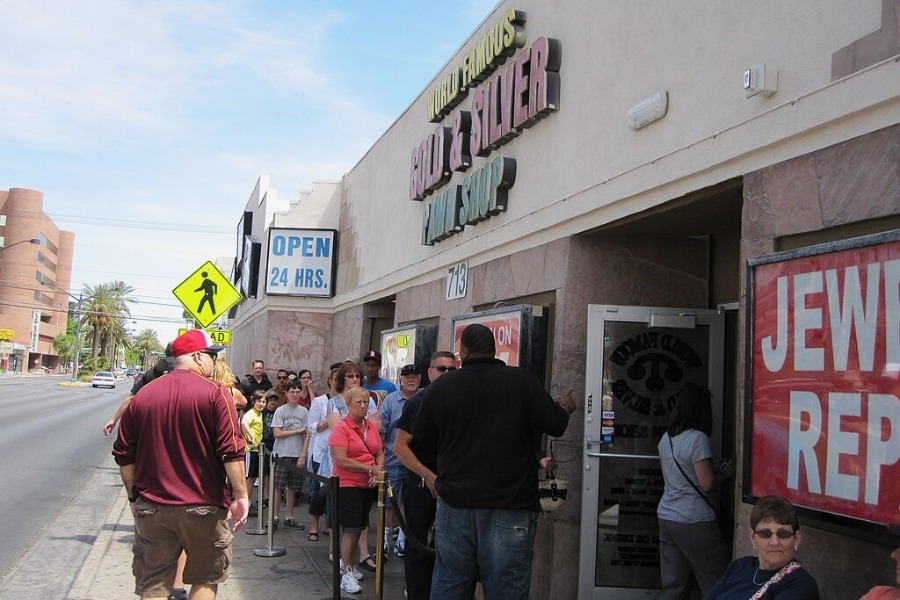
<point x="725" y="524"/>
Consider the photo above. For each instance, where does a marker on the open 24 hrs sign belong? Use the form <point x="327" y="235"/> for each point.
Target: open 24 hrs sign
<point x="301" y="262"/>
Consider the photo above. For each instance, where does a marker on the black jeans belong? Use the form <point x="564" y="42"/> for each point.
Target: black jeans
<point x="419" y="508"/>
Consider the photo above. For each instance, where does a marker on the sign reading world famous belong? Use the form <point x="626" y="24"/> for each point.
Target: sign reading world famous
<point x="826" y="377"/>
<point x="301" y="262"/>
<point x="207" y="294"/>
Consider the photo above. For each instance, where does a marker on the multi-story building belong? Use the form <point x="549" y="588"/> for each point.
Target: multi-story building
<point x="636" y="196"/>
<point x="35" y="275"/>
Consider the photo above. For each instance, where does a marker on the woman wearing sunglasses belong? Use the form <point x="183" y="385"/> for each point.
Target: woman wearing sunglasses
<point x="775" y="573"/>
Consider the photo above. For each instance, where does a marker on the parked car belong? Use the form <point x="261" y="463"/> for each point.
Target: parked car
<point x="103" y="379"/>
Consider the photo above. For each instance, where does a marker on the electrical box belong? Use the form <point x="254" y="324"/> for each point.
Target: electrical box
<point x="760" y="80"/>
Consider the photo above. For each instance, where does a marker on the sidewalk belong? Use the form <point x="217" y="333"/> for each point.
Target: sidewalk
<point x="106" y="570"/>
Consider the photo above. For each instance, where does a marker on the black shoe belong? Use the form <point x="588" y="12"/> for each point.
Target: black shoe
<point x="178" y="594"/>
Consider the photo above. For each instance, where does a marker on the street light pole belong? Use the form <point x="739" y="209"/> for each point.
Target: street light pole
<point x="34" y="241"/>
<point x="78" y="315"/>
<point x="77" y="337"/>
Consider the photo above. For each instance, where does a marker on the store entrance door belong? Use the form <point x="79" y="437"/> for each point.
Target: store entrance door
<point x="638" y="359"/>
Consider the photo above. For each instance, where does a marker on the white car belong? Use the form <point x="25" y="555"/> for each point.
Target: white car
<point x="103" y="379"/>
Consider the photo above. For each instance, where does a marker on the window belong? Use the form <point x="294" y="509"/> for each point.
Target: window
<point x="2" y="220"/>
<point x="43" y="298"/>
<point x="51" y="266"/>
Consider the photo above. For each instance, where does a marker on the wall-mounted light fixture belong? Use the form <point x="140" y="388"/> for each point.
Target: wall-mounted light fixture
<point x="647" y="110"/>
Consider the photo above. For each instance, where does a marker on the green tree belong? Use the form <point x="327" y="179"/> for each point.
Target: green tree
<point x="145" y="344"/>
<point x="104" y="312"/>
<point x="64" y="344"/>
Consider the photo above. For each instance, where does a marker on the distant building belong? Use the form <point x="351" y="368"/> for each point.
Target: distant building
<point x="34" y="281"/>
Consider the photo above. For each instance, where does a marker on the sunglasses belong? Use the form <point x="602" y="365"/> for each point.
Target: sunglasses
<point x="443" y="369"/>
<point x="282" y="376"/>
<point x="354" y="376"/>
<point x="783" y="534"/>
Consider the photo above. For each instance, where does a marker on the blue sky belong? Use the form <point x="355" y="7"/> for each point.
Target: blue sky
<point x="147" y="124"/>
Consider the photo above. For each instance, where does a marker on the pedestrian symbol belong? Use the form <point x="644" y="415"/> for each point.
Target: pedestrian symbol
<point x="207" y="294"/>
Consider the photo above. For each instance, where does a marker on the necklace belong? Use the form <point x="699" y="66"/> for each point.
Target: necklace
<point x="755" y="582"/>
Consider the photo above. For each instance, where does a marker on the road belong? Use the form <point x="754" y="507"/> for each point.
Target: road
<point x="50" y="444"/>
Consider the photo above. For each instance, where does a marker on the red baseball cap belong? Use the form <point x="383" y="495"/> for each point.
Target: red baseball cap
<point x="194" y="340"/>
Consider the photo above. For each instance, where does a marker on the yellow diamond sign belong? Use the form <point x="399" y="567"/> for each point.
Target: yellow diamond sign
<point x="207" y="294"/>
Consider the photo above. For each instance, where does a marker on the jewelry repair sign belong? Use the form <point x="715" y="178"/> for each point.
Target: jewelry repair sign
<point x="825" y="413"/>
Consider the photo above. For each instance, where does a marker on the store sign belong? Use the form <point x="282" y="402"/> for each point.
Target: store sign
<point x="35" y="329"/>
<point x="506" y="328"/>
<point x="301" y="262"/>
<point x="826" y="378"/>
<point x="520" y="92"/>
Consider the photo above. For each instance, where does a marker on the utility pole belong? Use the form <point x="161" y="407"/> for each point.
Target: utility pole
<point x="77" y="337"/>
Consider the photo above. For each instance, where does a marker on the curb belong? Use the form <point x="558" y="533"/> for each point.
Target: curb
<point x="88" y="574"/>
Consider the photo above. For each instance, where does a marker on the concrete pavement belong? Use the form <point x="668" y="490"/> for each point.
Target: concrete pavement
<point x="98" y="563"/>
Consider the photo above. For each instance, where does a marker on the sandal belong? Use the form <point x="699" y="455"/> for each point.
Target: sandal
<point x="313" y="536"/>
<point x="368" y="563"/>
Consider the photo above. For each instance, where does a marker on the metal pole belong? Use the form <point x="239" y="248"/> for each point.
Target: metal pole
<point x="260" y="530"/>
<point x="334" y="487"/>
<point x="379" y="547"/>
<point x="270" y="551"/>
<point x="77" y="337"/>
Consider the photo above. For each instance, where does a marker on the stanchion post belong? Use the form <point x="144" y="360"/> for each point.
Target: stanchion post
<point x="270" y="550"/>
<point x="334" y="488"/>
<point x="379" y="548"/>
<point x="260" y="530"/>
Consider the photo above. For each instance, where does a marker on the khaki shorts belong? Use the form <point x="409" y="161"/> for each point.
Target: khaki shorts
<point x="160" y="534"/>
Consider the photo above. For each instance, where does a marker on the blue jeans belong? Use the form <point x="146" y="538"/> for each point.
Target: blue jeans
<point x="493" y="545"/>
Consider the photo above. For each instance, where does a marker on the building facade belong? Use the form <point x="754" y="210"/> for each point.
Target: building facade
<point x="34" y="281"/>
<point x="630" y="173"/>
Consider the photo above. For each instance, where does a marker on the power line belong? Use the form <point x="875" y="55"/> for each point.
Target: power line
<point x="149" y="225"/>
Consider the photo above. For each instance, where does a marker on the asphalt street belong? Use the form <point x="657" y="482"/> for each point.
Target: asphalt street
<point x="51" y="444"/>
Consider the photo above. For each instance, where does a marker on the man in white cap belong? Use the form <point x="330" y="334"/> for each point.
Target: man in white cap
<point x="179" y="439"/>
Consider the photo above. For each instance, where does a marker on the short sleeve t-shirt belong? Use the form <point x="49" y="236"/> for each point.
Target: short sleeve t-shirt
<point x="680" y="502"/>
<point x="289" y="418"/>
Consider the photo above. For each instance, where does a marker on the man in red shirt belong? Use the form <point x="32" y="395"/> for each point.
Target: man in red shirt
<point x="179" y="439"/>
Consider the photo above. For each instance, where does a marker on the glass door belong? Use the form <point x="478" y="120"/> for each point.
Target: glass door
<point x="638" y="359"/>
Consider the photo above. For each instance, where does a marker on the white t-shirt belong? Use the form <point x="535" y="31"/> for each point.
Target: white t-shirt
<point x="289" y="418"/>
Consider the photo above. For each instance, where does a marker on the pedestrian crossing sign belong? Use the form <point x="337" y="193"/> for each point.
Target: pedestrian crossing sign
<point x="207" y="294"/>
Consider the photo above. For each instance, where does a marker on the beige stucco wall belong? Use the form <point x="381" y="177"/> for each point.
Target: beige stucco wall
<point x="582" y="167"/>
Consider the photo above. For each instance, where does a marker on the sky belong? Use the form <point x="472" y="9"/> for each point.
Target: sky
<point x="147" y="124"/>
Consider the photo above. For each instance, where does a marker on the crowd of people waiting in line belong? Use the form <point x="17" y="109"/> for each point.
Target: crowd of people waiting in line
<point x="438" y="460"/>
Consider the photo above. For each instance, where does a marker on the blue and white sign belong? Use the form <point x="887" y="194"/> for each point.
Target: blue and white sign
<point x="301" y="262"/>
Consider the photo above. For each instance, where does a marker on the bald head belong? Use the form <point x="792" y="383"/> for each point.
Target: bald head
<point x="478" y="341"/>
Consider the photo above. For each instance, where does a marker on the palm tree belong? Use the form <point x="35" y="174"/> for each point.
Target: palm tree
<point x="145" y="344"/>
<point x="105" y="313"/>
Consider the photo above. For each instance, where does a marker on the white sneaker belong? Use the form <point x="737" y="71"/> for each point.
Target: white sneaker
<point x="356" y="572"/>
<point x="349" y="584"/>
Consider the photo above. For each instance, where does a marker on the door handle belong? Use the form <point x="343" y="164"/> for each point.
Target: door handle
<point x="604" y="455"/>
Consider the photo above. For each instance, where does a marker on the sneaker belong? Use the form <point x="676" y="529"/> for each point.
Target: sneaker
<point x="399" y="550"/>
<point x="349" y="583"/>
<point x="357" y="574"/>
<point x="178" y="594"/>
<point x="291" y="523"/>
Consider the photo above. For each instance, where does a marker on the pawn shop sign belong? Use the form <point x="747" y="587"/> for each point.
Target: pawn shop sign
<point x="207" y="294"/>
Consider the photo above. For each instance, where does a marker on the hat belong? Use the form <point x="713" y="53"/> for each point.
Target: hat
<point x="372" y="355"/>
<point x="271" y="394"/>
<point x="194" y="340"/>
<point x="409" y="370"/>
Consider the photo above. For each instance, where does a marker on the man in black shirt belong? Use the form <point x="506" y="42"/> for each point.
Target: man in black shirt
<point x="420" y="460"/>
<point x="486" y="419"/>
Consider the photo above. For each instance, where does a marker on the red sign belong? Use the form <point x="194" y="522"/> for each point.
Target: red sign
<point x="826" y="381"/>
<point x="506" y="327"/>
